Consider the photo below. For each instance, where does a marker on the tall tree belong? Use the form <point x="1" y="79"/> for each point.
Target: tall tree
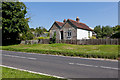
<point x="98" y="31"/>
<point x="13" y="20"/>
<point x="107" y="31"/>
<point x="104" y="31"/>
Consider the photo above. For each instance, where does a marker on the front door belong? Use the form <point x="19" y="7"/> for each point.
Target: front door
<point x="61" y="34"/>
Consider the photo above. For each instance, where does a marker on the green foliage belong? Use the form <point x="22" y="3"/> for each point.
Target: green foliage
<point x="53" y="40"/>
<point x="42" y="37"/>
<point x="44" y="29"/>
<point x="93" y="37"/>
<point x="103" y="32"/>
<point x="13" y="20"/>
<point x="48" y="34"/>
<point x="116" y="30"/>
<point x="32" y="29"/>
<point x="106" y="31"/>
<point x="98" y="31"/>
<point x="39" y="31"/>
<point x="116" y="35"/>
<point x="27" y="36"/>
<point x="0" y="15"/>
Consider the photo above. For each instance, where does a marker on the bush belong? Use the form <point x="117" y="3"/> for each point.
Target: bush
<point x="42" y="38"/>
<point x="53" y="39"/>
<point x="93" y="37"/>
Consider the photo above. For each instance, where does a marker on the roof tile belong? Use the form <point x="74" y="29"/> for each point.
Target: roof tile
<point x="80" y="25"/>
<point x="59" y="23"/>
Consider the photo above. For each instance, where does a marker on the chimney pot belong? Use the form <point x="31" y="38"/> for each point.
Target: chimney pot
<point x="77" y="19"/>
<point x="64" y="20"/>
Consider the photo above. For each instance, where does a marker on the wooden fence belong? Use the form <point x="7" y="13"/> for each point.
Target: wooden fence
<point x="77" y="42"/>
<point x="91" y="41"/>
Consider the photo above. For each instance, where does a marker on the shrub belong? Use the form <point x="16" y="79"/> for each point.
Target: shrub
<point x="53" y="39"/>
<point x="93" y="37"/>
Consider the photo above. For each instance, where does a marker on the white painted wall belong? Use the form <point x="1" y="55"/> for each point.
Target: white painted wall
<point x="90" y="33"/>
<point x="83" y="34"/>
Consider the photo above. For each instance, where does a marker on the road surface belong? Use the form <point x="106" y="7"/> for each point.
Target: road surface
<point x="67" y="67"/>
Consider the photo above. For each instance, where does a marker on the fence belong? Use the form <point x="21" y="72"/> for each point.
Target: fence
<point x="77" y="42"/>
<point x="91" y="41"/>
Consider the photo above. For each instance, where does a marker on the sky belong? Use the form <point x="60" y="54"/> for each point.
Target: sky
<point x="91" y="13"/>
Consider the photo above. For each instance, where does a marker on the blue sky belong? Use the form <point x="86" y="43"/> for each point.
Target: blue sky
<point x="91" y="13"/>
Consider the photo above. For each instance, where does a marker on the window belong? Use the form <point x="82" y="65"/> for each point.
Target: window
<point x="69" y="33"/>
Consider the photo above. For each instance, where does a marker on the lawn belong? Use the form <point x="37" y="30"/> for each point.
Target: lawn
<point x="89" y="51"/>
<point x="13" y="73"/>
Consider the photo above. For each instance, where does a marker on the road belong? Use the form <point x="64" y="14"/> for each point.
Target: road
<point x="67" y="67"/>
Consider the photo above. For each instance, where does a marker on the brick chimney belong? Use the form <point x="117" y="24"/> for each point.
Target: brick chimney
<point x="64" y="20"/>
<point x="77" y="19"/>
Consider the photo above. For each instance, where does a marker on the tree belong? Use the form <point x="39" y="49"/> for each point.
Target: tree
<point x="98" y="31"/>
<point x="27" y="36"/>
<point x="32" y="29"/>
<point x="53" y="39"/>
<point x="13" y="20"/>
<point x="106" y="31"/>
<point x="39" y="31"/>
<point x="0" y="15"/>
<point x="44" y="29"/>
<point x="103" y="32"/>
<point x="116" y="30"/>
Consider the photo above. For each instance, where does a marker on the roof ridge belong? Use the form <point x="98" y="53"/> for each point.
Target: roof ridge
<point x="79" y="24"/>
<point x="58" y="21"/>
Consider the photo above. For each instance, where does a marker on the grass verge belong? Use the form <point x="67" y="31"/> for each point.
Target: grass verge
<point x="88" y="51"/>
<point x="23" y="75"/>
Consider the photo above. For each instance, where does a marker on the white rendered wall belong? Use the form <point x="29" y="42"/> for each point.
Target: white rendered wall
<point x="83" y="34"/>
<point x="90" y="33"/>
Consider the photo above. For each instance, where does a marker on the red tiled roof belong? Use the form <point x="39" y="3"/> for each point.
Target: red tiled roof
<point x="59" y="23"/>
<point x="80" y="25"/>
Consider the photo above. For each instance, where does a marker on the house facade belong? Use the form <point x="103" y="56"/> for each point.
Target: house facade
<point x="70" y="30"/>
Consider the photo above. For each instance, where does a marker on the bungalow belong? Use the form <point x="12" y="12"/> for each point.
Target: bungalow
<point x="70" y="30"/>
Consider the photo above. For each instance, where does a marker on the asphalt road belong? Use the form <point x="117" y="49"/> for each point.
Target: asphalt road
<point x="66" y="67"/>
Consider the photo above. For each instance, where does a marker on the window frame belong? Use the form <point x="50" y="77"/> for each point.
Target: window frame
<point x="69" y="34"/>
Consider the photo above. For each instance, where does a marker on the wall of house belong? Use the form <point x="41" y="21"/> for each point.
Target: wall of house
<point x="90" y="33"/>
<point x="65" y="29"/>
<point x="55" y="29"/>
<point x="83" y="34"/>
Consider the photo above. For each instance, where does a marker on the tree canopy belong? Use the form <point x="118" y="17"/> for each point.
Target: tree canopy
<point x="103" y="32"/>
<point x="13" y="20"/>
<point x="116" y="30"/>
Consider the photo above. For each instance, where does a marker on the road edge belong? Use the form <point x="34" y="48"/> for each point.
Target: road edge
<point x="98" y="59"/>
<point x="32" y="71"/>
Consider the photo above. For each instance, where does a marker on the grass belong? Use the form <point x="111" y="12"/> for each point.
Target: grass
<point x="89" y="51"/>
<point x="13" y="73"/>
